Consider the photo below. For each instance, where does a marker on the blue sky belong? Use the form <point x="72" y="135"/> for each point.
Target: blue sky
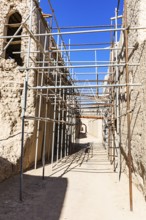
<point x="84" y="13"/>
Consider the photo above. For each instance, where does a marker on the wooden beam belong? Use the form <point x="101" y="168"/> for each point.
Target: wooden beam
<point x="16" y="42"/>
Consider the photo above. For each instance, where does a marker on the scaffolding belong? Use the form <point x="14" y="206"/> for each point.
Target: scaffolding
<point x="60" y="83"/>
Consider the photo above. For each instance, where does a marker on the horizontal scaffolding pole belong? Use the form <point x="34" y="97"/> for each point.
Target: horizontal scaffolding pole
<point x="64" y="33"/>
<point x="46" y="119"/>
<point x="90" y="117"/>
<point x="88" y="44"/>
<point x="90" y="111"/>
<point x="84" y="86"/>
<point x="96" y="80"/>
<point x="79" y="66"/>
<point x="114" y="18"/>
<point x="87" y="91"/>
<point x="74" y="50"/>
<point x="87" y="94"/>
<point x="93" y="104"/>
<point x="79" y="27"/>
<point x="74" y="32"/>
<point x="86" y="49"/>
<point x="94" y="107"/>
<point x="78" y="61"/>
<point x="93" y="73"/>
<point x="94" y="100"/>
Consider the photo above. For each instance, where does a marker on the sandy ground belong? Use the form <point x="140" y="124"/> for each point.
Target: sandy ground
<point x="82" y="186"/>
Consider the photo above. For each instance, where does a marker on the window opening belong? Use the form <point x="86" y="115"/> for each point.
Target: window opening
<point x="14" y="23"/>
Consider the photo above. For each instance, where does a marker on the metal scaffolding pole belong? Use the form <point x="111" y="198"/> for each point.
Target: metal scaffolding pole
<point x="39" y="109"/>
<point x="117" y="99"/>
<point x="66" y="115"/>
<point x="112" y="150"/>
<point x="76" y="32"/>
<point x="58" y="127"/>
<point x="58" y="108"/>
<point x="84" y="86"/>
<point x="67" y="130"/>
<point x="63" y="115"/>
<point x="45" y="123"/>
<point x="62" y="126"/>
<point x="54" y="119"/>
<point x="68" y="125"/>
<point x="45" y="134"/>
<point x="78" y="66"/>
<point x="128" y="109"/>
<point x="24" y="105"/>
<point x="71" y="122"/>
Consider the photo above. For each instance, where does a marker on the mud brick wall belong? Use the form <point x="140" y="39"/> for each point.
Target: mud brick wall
<point x="11" y="97"/>
<point x="137" y="74"/>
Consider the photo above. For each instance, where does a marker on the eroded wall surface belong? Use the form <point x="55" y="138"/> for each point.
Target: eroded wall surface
<point x="137" y="74"/>
<point x="11" y="97"/>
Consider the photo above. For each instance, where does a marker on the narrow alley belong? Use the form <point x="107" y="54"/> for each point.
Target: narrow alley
<point x="82" y="186"/>
<point x="73" y="110"/>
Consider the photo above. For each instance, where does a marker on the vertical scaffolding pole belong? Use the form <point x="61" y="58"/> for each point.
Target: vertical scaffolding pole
<point x="112" y="150"/>
<point x="58" y="127"/>
<point x="44" y="142"/>
<point x="65" y="118"/>
<point x="67" y="110"/>
<point x="46" y="113"/>
<point x="113" y="146"/>
<point x="39" y="108"/>
<point x="67" y="128"/>
<point x="96" y="71"/>
<point x="24" y="105"/>
<point x="62" y="126"/>
<point x="54" y="118"/>
<point x="69" y="131"/>
<point x="117" y="97"/>
<point x="55" y="110"/>
<point x="59" y="96"/>
<point x="128" y="109"/>
<point x="62" y="116"/>
<point x="109" y="142"/>
<point x="71" y="122"/>
<point x="67" y="125"/>
<point x="22" y="138"/>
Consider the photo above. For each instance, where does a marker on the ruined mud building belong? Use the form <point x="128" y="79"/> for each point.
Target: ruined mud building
<point x="42" y="119"/>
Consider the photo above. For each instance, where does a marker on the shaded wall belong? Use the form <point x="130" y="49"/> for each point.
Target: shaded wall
<point x="137" y="56"/>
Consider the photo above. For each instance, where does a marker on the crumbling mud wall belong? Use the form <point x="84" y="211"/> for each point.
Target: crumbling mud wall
<point x="22" y="62"/>
<point x="136" y="17"/>
<point x="12" y="94"/>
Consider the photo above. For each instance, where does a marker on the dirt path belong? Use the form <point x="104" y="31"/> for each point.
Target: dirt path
<point x="83" y="186"/>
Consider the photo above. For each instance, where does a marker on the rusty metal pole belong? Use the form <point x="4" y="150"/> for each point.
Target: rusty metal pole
<point x="128" y="108"/>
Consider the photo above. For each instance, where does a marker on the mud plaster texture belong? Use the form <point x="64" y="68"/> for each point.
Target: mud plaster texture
<point x="11" y="98"/>
<point x="136" y="16"/>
